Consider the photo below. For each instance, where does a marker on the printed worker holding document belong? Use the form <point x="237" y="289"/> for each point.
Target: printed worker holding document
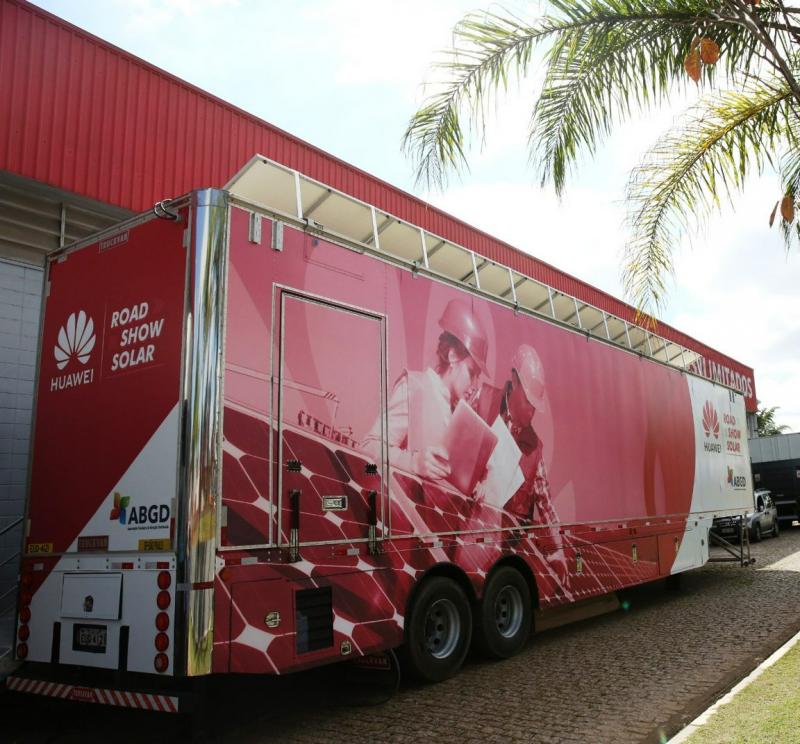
<point x="516" y="477"/>
<point x="424" y="415"/>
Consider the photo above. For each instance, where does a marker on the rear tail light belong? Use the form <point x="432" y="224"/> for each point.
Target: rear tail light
<point x="22" y="651"/>
<point x="164" y="580"/>
<point x="23" y="633"/>
<point x="162" y="621"/>
<point x="161" y="663"/>
<point x="162" y="600"/>
<point x="25" y="598"/>
<point x="162" y="642"/>
<point x="25" y="614"/>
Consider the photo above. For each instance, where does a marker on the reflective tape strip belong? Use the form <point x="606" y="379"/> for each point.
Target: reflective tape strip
<point x="107" y="696"/>
<point x="119" y="698"/>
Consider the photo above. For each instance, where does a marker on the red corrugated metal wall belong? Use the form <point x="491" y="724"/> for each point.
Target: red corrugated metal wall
<point x="82" y="115"/>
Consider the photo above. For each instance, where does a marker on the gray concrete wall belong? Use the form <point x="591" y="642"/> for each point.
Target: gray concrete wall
<point x="773" y="449"/>
<point x="20" y="301"/>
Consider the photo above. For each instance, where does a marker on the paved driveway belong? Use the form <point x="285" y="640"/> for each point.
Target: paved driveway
<point x="632" y="676"/>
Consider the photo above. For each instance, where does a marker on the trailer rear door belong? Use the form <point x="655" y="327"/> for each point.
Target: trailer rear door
<point x="105" y="455"/>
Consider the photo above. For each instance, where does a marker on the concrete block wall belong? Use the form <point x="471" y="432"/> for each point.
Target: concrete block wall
<point x="20" y="303"/>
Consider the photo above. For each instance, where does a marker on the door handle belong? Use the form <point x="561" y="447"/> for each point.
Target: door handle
<point x="294" y="528"/>
<point x="372" y="530"/>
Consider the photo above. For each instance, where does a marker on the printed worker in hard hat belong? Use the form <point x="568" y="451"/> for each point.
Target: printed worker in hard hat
<point x="421" y="404"/>
<point x="524" y="395"/>
<point x="516" y="404"/>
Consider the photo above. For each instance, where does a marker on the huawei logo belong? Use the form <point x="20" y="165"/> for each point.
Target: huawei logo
<point x="75" y="339"/>
<point x="710" y="420"/>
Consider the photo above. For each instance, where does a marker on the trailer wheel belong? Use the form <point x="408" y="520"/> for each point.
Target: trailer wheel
<point x="504" y="617"/>
<point x="438" y="631"/>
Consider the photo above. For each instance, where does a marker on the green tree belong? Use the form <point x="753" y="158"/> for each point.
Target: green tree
<point x="765" y="422"/>
<point x="605" y="61"/>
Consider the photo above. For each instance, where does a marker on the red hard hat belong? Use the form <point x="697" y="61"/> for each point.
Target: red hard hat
<point x="531" y="374"/>
<point x="458" y="320"/>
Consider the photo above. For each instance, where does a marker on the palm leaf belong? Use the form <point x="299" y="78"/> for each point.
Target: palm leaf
<point x="606" y="57"/>
<point x="683" y="178"/>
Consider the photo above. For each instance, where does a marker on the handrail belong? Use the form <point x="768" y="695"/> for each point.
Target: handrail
<point x="9" y="559"/>
<point x="10" y="526"/>
<point x="10" y="591"/>
<point x="286" y="195"/>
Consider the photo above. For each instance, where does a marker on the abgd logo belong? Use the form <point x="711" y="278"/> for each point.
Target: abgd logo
<point x="120" y="509"/>
<point x="739" y="482"/>
<point x="138" y="517"/>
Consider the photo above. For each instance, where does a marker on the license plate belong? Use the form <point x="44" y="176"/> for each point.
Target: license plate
<point x="91" y="638"/>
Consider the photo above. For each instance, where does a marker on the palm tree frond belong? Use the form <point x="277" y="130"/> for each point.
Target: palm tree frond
<point x="687" y="173"/>
<point x="489" y="50"/>
<point x="606" y="57"/>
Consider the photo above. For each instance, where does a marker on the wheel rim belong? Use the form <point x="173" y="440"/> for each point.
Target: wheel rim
<point x="508" y="611"/>
<point x="442" y="629"/>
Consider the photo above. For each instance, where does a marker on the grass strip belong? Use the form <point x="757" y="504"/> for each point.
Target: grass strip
<point x="767" y="710"/>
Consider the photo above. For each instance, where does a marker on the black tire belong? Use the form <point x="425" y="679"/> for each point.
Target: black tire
<point x="776" y="530"/>
<point x="755" y="535"/>
<point x="438" y="630"/>
<point x="504" y="617"/>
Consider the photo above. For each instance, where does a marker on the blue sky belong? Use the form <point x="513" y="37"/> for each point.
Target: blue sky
<point x="345" y="75"/>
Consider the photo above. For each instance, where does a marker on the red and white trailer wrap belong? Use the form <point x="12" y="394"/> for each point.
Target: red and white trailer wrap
<point x="262" y="446"/>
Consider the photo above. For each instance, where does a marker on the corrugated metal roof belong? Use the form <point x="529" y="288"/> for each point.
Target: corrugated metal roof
<point x="85" y="116"/>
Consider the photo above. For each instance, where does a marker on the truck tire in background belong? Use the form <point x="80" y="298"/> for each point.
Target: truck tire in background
<point x="503" y="619"/>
